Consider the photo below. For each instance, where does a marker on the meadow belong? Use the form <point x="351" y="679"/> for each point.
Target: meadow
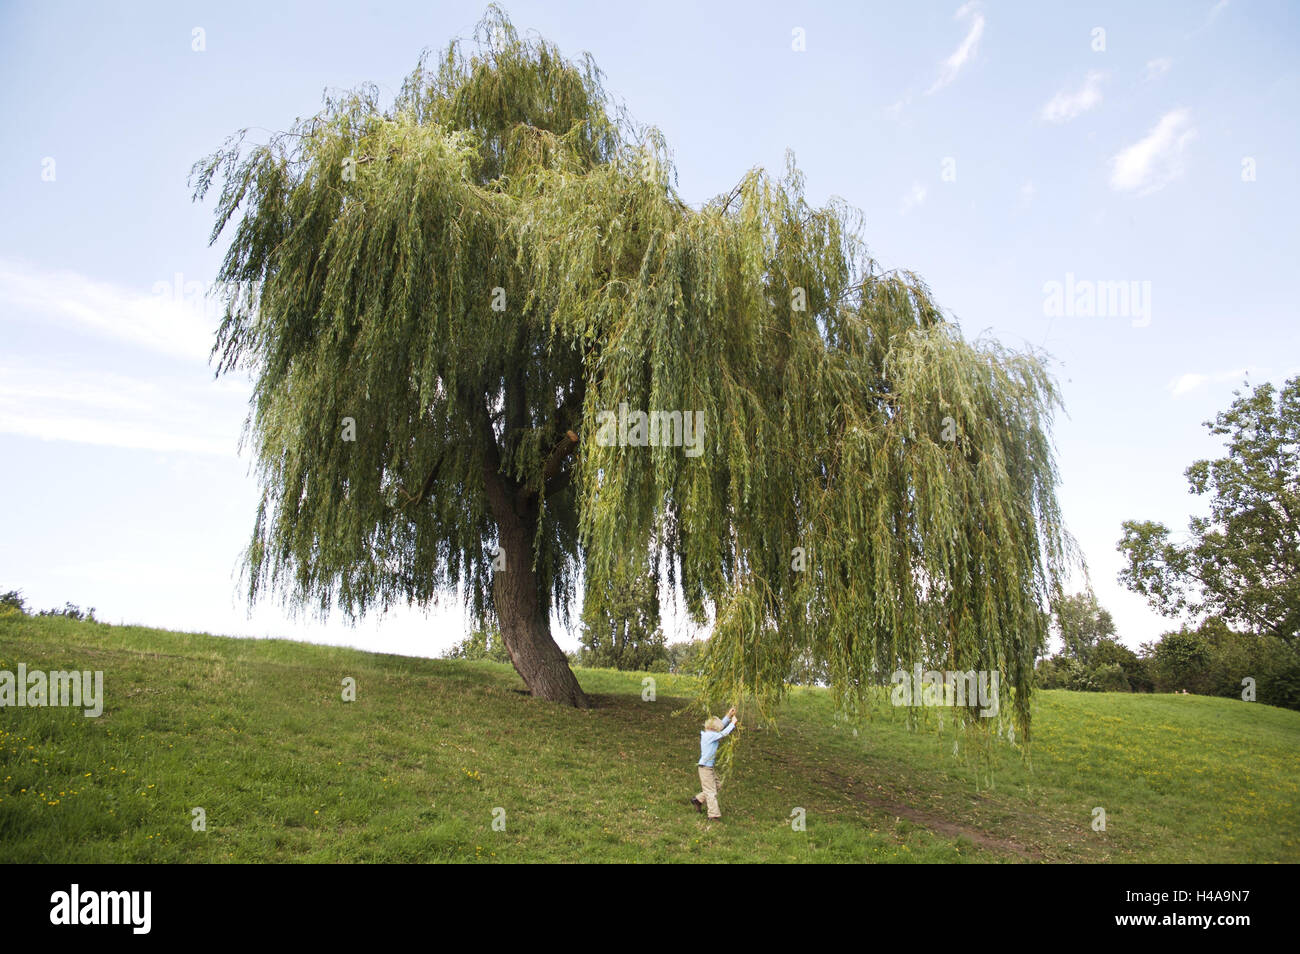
<point x="451" y="761"/>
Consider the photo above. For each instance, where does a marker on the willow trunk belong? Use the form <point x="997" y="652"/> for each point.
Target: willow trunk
<point x="525" y="623"/>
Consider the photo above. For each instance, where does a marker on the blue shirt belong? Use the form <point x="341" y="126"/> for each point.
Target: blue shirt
<point x="709" y="741"/>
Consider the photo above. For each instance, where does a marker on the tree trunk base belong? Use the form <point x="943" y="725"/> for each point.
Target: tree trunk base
<point x="539" y="661"/>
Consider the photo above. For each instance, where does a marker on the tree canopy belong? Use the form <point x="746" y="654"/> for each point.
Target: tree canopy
<point x="480" y="274"/>
<point x="1241" y="562"/>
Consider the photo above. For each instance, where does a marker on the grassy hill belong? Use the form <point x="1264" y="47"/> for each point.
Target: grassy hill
<point x="255" y="732"/>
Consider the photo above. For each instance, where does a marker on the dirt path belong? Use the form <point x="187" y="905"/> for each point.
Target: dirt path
<point x="982" y="839"/>
<point x="863" y="794"/>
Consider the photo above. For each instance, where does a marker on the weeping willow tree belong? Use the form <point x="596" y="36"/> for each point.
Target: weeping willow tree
<point x="492" y="280"/>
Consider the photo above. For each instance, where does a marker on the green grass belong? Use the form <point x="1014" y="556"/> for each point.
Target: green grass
<point x="256" y="733"/>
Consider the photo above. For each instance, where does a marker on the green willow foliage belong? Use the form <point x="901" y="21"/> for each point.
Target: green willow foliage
<point x="842" y="413"/>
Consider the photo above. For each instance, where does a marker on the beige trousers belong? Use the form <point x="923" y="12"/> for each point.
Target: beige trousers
<point x="709" y="782"/>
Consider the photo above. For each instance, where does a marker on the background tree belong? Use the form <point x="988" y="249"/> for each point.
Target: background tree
<point x="808" y="671"/>
<point x="620" y="620"/>
<point x="1081" y="623"/>
<point x="1213" y="659"/>
<point x="476" y="273"/>
<point x="1179" y="661"/>
<point x="686" y="657"/>
<point x="1127" y="671"/>
<point x="1092" y="659"/>
<point x="1242" y="561"/>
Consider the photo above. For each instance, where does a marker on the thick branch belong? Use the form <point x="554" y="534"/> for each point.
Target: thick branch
<point x="425" y="487"/>
<point x="561" y="450"/>
<point x="553" y="479"/>
<point x="558" y="483"/>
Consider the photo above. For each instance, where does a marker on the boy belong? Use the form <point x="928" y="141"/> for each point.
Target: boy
<point x="715" y="730"/>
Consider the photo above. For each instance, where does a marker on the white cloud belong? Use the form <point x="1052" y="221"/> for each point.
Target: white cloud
<point x="1028" y="191"/>
<point x="914" y="198"/>
<point x="895" y="110"/>
<point x="1215" y="11"/>
<point x="173" y="318"/>
<point x="86" y="406"/>
<point x="966" y="50"/>
<point x="1154" y="161"/>
<point x="1066" y="105"/>
<point x="1157" y="68"/>
<point x="173" y="406"/>
<point x="1187" y="383"/>
<point x="1210" y="17"/>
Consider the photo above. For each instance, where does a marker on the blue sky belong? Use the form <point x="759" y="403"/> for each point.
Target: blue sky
<point x="994" y="148"/>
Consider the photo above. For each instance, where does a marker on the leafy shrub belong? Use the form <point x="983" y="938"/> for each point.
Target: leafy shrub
<point x="1109" y="677"/>
<point x="480" y="644"/>
<point x="12" y="603"/>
